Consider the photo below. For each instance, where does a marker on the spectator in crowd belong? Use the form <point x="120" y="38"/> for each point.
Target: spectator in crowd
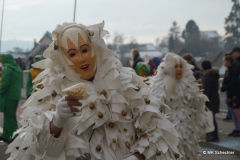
<point x="196" y="71"/>
<point x="229" y="114"/>
<point x="136" y="57"/>
<point x="31" y="61"/>
<point x="236" y="53"/>
<point x="10" y="94"/>
<point x="20" y="63"/>
<point x="210" y="89"/>
<point x="156" y="62"/>
<point x="33" y="72"/>
<point x="236" y="56"/>
<point x="229" y="85"/>
<point x="152" y="68"/>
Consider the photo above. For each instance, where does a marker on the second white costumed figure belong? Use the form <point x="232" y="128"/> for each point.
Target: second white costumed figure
<point x="176" y="86"/>
<point x="118" y="118"/>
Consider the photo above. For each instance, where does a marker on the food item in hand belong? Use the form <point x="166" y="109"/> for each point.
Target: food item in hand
<point x="77" y="91"/>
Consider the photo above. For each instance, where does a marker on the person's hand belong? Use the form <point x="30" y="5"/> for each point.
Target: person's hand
<point x="65" y="110"/>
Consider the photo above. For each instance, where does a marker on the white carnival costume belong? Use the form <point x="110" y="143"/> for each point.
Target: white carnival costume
<point x="185" y="99"/>
<point x="119" y="118"/>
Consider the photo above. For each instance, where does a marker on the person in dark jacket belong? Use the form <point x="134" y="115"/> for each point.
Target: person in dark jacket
<point x="235" y="53"/>
<point x="226" y="63"/>
<point x="229" y="84"/>
<point x="211" y="86"/>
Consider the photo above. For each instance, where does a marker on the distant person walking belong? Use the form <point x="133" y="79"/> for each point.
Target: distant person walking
<point x="210" y="89"/>
<point x="136" y="58"/>
<point x="229" y="85"/>
<point x="33" y="73"/>
<point x="10" y="94"/>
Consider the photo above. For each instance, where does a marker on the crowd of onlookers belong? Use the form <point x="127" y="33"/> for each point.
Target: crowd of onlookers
<point x="208" y="79"/>
<point x="143" y="68"/>
<point x="231" y="85"/>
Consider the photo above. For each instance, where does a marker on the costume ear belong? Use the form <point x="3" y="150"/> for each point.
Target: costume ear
<point x="169" y="64"/>
<point x="169" y="58"/>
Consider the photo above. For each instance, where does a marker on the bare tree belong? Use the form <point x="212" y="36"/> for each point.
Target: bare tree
<point x="174" y="30"/>
<point x="118" y="41"/>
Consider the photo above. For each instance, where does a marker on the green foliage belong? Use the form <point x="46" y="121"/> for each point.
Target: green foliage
<point x="191" y="29"/>
<point x="174" y="30"/>
<point x="191" y="35"/>
<point x="229" y="43"/>
<point x="232" y="26"/>
<point x="174" y="41"/>
<point x="171" y="43"/>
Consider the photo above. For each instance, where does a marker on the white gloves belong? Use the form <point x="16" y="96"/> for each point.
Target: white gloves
<point x="132" y="157"/>
<point x="62" y="114"/>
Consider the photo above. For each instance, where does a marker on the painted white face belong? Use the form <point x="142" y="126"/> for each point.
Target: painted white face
<point x="81" y="57"/>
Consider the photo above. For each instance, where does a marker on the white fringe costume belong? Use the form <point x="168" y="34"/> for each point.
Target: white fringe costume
<point x="131" y="119"/>
<point x="186" y="101"/>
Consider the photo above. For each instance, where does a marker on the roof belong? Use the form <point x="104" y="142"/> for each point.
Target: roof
<point x="39" y="48"/>
<point x="208" y="35"/>
<point x="147" y="47"/>
<point x="180" y="51"/>
<point x="143" y="54"/>
<point x="197" y="59"/>
<point x="219" y="60"/>
<point x="18" y="54"/>
<point x="150" y="54"/>
<point x="214" y="58"/>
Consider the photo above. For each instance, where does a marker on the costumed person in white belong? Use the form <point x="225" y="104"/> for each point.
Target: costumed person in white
<point x="118" y="119"/>
<point x="176" y="86"/>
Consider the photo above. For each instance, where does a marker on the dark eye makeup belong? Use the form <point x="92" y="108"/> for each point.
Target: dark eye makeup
<point x="84" y="50"/>
<point x="72" y="54"/>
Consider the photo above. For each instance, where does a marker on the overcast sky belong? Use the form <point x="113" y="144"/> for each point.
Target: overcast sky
<point x="143" y="19"/>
